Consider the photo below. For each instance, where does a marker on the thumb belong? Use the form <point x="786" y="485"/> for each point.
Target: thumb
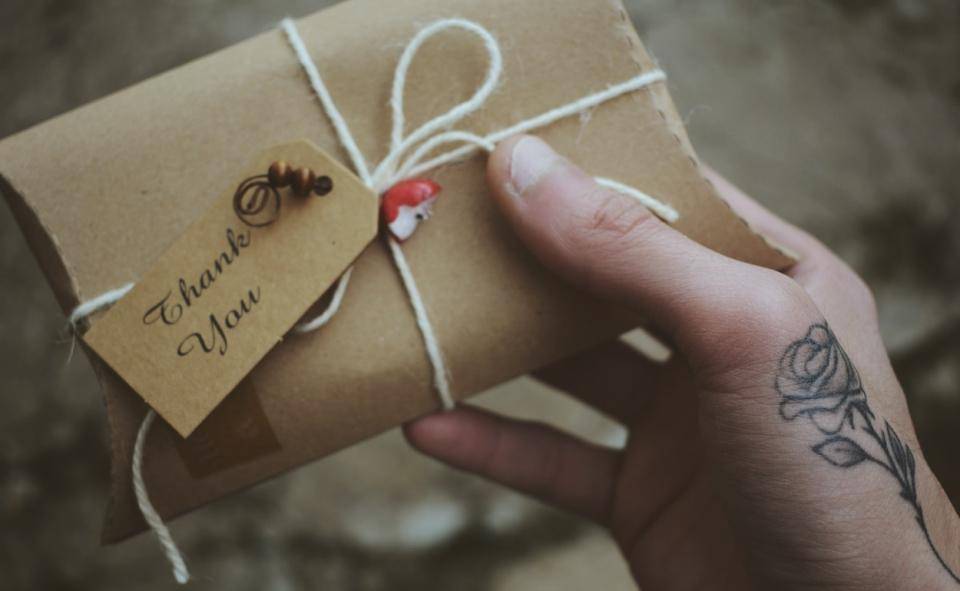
<point x="611" y="245"/>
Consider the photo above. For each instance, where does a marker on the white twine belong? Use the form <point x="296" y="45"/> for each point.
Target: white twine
<point x="98" y="303"/>
<point x="393" y="168"/>
<point x="150" y="515"/>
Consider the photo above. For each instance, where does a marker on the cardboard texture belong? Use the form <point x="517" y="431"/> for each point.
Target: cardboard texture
<point x="233" y="284"/>
<point x="138" y="165"/>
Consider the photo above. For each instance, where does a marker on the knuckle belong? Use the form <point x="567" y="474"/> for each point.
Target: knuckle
<point x="770" y="298"/>
<point x="615" y="221"/>
<point x="856" y="290"/>
<point x="552" y="466"/>
<point x="778" y="294"/>
<point x="493" y="454"/>
<point x="832" y="276"/>
<point x="760" y="311"/>
<point x="600" y="238"/>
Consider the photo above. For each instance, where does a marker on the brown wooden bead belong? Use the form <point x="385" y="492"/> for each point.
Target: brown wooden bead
<point x="323" y="185"/>
<point x="302" y="181"/>
<point x="279" y="174"/>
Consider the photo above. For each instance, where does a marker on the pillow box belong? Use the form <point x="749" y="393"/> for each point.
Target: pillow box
<point x="131" y="171"/>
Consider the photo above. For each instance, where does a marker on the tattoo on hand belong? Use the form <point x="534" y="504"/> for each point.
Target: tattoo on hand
<point x="817" y="381"/>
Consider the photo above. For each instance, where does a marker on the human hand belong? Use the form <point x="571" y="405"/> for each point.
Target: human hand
<point x="775" y="450"/>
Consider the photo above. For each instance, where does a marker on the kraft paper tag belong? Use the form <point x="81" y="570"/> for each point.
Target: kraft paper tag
<point x="234" y="283"/>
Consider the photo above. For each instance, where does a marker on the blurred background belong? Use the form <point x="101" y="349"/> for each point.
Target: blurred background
<point x="841" y="115"/>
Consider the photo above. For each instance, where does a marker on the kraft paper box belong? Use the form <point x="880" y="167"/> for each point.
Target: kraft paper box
<point x="101" y="192"/>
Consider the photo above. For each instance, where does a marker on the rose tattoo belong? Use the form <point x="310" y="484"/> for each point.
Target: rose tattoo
<point x="817" y="380"/>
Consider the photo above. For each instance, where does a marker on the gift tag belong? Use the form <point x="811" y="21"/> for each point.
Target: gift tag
<point x="236" y="281"/>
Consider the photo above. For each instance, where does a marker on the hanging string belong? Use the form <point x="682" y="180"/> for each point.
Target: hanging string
<point x="150" y="515"/>
<point x="423" y="141"/>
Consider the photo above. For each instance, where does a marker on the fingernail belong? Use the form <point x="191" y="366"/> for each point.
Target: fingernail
<point x="530" y="160"/>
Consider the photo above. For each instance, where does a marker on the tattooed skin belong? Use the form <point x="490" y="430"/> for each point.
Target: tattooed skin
<point x="817" y="381"/>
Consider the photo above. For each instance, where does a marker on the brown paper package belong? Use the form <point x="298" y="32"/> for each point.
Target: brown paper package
<point x="102" y="191"/>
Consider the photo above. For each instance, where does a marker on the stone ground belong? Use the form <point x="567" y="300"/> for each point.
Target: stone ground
<point x="840" y="115"/>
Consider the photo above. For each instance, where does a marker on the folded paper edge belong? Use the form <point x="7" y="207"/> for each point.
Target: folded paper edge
<point x="43" y="244"/>
<point x="45" y="247"/>
<point x="664" y="103"/>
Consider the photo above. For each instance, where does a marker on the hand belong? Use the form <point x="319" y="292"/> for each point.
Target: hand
<point x="775" y="450"/>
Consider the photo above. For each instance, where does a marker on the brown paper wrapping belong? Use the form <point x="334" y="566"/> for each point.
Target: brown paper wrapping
<point x="102" y="191"/>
